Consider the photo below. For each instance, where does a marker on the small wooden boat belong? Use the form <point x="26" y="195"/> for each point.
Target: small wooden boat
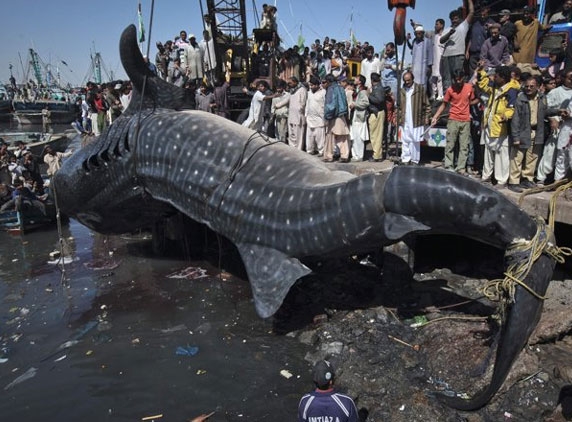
<point x="36" y="141"/>
<point x="27" y="219"/>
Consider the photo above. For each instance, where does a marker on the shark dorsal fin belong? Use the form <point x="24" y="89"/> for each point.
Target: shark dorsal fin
<point x="156" y="93"/>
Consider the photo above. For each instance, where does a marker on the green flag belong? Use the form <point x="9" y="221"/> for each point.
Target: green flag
<point x="141" y="27"/>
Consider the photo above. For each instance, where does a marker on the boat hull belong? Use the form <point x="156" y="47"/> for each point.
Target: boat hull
<point x="36" y="142"/>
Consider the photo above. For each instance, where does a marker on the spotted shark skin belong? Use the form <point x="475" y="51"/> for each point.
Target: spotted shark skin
<point x="277" y="204"/>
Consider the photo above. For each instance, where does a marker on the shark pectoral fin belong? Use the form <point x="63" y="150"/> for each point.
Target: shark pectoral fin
<point x="396" y="225"/>
<point x="271" y="274"/>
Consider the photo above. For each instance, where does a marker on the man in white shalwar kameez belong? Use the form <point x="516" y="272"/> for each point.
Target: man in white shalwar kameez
<point x="414" y="115"/>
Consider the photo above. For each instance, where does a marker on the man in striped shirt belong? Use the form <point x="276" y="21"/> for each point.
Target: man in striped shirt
<point x="324" y="404"/>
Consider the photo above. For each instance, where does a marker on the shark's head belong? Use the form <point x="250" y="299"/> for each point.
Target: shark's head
<point x="98" y="184"/>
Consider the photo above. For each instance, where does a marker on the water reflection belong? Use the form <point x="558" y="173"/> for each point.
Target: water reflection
<point x="105" y="347"/>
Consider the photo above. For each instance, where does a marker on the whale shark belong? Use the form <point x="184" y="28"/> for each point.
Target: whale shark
<point x="280" y="206"/>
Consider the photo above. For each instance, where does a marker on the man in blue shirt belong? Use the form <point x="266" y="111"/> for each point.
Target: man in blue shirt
<point x="324" y="404"/>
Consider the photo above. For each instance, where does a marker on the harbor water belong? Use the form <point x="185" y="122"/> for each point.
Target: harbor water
<point x="118" y="333"/>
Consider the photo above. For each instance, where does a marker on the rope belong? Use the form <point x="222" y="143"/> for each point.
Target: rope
<point x="553" y="199"/>
<point x="521" y="255"/>
<point x="61" y="240"/>
<point x="539" y="189"/>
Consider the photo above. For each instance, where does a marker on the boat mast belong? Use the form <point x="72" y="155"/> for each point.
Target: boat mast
<point x="35" y="62"/>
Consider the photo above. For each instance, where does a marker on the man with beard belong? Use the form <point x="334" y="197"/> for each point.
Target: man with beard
<point x="564" y="16"/>
<point x="421" y="55"/>
<point x="315" y="122"/>
<point x="296" y="112"/>
<point x="414" y="110"/>
<point x="525" y="40"/>
<point x="459" y="96"/>
<point x="193" y="60"/>
<point x="389" y="68"/>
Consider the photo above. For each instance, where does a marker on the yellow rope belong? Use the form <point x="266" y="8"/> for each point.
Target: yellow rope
<point x="526" y="253"/>
<point x="553" y="199"/>
<point x="539" y="189"/>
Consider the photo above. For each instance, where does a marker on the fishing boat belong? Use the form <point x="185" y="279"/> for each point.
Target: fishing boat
<point x="28" y="219"/>
<point x="46" y="91"/>
<point x="30" y="112"/>
<point x="36" y="141"/>
<point x="5" y="104"/>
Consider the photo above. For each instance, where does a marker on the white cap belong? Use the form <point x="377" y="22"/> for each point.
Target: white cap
<point x="419" y="28"/>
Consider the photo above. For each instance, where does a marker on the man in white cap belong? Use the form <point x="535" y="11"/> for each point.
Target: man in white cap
<point x="324" y="404"/>
<point x="193" y="60"/>
<point x="421" y="55"/>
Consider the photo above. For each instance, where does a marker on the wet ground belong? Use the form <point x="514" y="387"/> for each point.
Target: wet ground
<point x="133" y="335"/>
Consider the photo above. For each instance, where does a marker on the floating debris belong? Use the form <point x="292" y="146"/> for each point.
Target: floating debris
<point x="189" y="273"/>
<point x="59" y="261"/>
<point x="30" y="373"/>
<point x="102" y="264"/>
<point x="187" y="350"/>
<point x="174" y="329"/>
<point x="286" y="374"/>
<point x="150" y="418"/>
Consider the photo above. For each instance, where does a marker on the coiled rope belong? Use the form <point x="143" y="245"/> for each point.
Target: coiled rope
<point x="521" y="256"/>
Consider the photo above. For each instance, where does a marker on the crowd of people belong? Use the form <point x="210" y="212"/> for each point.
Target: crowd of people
<point x="21" y="181"/>
<point x="477" y="77"/>
<point x="508" y="120"/>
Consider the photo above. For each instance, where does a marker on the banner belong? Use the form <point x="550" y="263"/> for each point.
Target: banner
<point x="141" y="31"/>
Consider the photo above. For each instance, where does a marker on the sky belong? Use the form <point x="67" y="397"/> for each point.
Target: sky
<point x="66" y="33"/>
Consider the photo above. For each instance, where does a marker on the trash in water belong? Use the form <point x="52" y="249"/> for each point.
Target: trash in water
<point x="3" y="360"/>
<point x="419" y="321"/>
<point x="102" y="264"/>
<point x="61" y="358"/>
<point x="201" y="372"/>
<point x="187" y="350"/>
<point x="67" y="344"/>
<point x="174" y="329"/>
<point x="286" y="374"/>
<point x="150" y="418"/>
<point x="59" y="261"/>
<point x="30" y="373"/>
<point x="190" y="273"/>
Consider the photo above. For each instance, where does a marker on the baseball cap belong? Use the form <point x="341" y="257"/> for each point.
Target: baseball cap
<point x="323" y="373"/>
<point x="419" y="28"/>
<point x="505" y="12"/>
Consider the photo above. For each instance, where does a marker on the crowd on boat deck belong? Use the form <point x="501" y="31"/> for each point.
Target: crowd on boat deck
<point x="21" y="180"/>
<point x="508" y="121"/>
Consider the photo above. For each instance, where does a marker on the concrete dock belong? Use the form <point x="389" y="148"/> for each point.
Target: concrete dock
<point x="534" y="204"/>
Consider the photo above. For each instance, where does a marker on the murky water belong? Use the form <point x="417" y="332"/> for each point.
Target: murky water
<point x="104" y="347"/>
